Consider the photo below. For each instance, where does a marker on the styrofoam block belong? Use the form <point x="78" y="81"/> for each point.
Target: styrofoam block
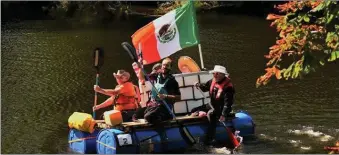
<point x="180" y="107"/>
<point x="145" y="96"/>
<point x="186" y="93"/>
<point x="179" y="80"/>
<point x="197" y="93"/>
<point x="193" y="104"/>
<point x="190" y="80"/>
<point x="205" y="77"/>
<point x="207" y="100"/>
<point x="207" y="94"/>
<point x="146" y="87"/>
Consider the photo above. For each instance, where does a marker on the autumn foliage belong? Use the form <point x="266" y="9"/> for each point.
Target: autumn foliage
<point x="308" y="38"/>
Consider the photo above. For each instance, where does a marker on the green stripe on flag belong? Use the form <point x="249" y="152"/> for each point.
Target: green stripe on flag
<point x="187" y="25"/>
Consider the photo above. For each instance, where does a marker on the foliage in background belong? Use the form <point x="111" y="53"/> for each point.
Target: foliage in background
<point x="88" y="10"/>
<point x="308" y="36"/>
<point x="199" y="5"/>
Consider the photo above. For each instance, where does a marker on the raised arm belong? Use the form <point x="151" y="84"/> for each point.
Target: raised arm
<point x="108" y="92"/>
<point x="205" y="86"/>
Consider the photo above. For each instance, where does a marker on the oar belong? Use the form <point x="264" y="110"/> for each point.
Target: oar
<point x="183" y="130"/>
<point x="235" y="143"/>
<point x="98" y="55"/>
<point x="228" y="130"/>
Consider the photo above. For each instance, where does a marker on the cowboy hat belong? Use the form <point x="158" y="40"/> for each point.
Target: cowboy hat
<point x="219" y="69"/>
<point x="122" y="73"/>
<point x="187" y="65"/>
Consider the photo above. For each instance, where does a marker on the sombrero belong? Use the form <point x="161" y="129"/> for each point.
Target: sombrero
<point x="187" y="65"/>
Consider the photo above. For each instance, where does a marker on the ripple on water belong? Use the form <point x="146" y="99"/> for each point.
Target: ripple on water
<point x="320" y="136"/>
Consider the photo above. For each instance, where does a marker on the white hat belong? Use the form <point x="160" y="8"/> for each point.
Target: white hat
<point x="219" y="69"/>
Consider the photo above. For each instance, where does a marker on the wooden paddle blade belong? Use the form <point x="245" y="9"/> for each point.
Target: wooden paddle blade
<point x="98" y="56"/>
<point x="232" y="137"/>
<point x="186" y="135"/>
<point x="130" y="50"/>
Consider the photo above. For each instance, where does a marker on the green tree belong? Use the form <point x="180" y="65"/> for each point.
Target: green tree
<point x="89" y="10"/>
<point x="308" y="38"/>
<point x="171" y="5"/>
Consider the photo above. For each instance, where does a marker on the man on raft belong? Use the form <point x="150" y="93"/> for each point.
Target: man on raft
<point x="125" y="97"/>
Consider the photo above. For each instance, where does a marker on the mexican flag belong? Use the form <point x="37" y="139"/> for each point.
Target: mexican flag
<point x="167" y="34"/>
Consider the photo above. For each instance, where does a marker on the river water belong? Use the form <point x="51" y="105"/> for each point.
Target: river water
<point x="47" y="74"/>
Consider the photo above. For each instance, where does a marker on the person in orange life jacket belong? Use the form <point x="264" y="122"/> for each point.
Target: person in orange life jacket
<point x="169" y="91"/>
<point x="222" y="93"/>
<point x="139" y="114"/>
<point x="123" y="96"/>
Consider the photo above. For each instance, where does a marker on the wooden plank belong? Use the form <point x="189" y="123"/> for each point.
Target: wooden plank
<point x="139" y="123"/>
<point x="99" y="121"/>
<point x="103" y="125"/>
<point x="144" y="123"/>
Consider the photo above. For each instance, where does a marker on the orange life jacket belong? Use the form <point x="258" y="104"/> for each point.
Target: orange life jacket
<point x="128" y="97"/>
<point x="220" y="87"/>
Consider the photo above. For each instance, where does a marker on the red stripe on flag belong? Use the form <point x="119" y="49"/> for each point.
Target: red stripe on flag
<point x="146" y="36"/>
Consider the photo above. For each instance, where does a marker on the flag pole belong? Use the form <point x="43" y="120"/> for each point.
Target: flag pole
<point x="142" y="84"/>
<point x="199" y="45"/>
<point x="139" y="54"/>
<point x="201" y="59"/>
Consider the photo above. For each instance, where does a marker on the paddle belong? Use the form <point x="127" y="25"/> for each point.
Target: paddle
<point x="235" y="143"/>
<point x="182" y="129"/>
<point x="98" y="56"/>
<point x="230" y="134"/>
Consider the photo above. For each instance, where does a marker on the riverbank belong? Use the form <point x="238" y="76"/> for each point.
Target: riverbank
<point x="111" y="11"/>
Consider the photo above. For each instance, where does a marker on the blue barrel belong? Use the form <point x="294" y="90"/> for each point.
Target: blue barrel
<point x="113" y="141"/>
<point x="82" y="142"/>
<point x="174" y="140"/>
<point x="200" y="131"/>
<point x="169" y="139"/>
<point x="244" y="123"/>
<point x="148" y="141"/>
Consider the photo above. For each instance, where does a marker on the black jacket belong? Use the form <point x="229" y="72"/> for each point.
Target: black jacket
<point x="172" y="86"/>
<point x="222" y="106"/>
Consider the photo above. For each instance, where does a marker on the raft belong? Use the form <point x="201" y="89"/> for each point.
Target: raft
<point x="141" y="137"/>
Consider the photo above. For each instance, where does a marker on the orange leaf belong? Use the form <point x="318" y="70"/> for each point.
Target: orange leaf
<point x="315" y="4"/>
<point x="281" y="41"/>
<point x="272" y="17"/>
<point x="274" y="47"/>
<point x="278" y="74"/>
<point x="268" y="70"/>
<point x="289" y="29"/>
<point x="282" y="34"/>
<point x="267" y="56"/>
